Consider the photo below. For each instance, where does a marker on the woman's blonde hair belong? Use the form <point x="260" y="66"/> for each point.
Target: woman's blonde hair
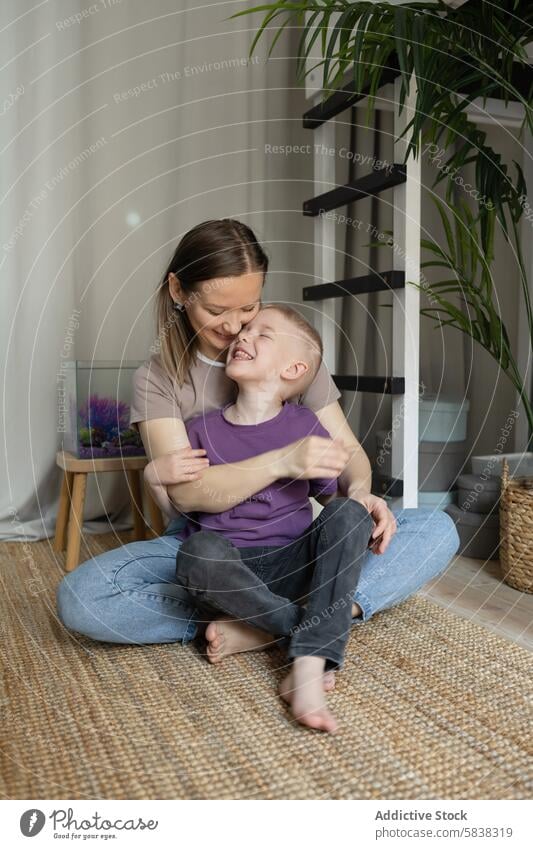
<point x="216" y="248"/>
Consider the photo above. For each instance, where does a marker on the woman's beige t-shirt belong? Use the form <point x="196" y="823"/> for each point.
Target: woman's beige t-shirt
<point x="156" y="396"/>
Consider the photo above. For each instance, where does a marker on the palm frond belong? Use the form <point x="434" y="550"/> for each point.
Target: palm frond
<point x="454" y="57"/>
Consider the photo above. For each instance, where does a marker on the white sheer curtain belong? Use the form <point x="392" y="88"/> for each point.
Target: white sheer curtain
<point x="123" y="125"/>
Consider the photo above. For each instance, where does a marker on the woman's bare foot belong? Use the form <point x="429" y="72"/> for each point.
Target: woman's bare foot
<point x="303" y="690"/>
<point x="227" y="636"/>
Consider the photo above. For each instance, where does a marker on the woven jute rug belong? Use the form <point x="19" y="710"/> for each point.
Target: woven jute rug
<point x="430" y="706"/>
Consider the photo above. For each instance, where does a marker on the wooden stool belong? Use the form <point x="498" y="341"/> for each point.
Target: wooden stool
<point x="70" y="514"/>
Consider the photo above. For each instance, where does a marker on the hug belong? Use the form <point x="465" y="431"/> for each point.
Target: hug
<point x="241" y="421"/>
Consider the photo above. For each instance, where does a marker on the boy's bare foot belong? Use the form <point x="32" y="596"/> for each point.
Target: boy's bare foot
<point x="303" y="690"/>
<point x="227" y="636"/>
<point x="328" y="681"/>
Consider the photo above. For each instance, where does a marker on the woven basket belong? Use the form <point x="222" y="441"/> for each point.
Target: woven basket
<point x="516" y="531"/>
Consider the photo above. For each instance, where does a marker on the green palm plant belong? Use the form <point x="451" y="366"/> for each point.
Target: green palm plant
<point x="454" y="56"/>
<point x="471" y="282"/>
<point x="472" y="50"/>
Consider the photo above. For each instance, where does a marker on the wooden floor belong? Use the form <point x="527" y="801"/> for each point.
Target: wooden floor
<point x="474" y="589"/>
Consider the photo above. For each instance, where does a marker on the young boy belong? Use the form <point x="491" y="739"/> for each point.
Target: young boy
<point x="260" y="559"/>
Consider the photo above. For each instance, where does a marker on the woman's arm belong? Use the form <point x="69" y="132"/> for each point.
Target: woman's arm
<point x="220" y="487"/>
<point x="181" y="466"/>
<point x="355" y="481"/>
<point x="160" y="496"/>
<point x="357" y="476"/>
<point x="325" y="499"/>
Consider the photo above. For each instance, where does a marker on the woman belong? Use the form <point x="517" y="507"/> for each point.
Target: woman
<point x="212" y="288"/>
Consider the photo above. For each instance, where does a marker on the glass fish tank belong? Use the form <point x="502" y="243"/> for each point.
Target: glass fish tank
<point x="96" y="409"/>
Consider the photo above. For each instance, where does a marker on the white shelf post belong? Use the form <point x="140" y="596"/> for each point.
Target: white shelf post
<point x="406" y="310"/>
<point x="324" y="237"/>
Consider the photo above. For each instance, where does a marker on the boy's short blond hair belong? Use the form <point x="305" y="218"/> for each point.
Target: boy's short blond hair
<point x="312" y="343"/>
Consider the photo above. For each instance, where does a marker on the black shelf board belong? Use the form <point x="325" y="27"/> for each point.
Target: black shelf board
<point x="355" y="286"/>
<point x="345" y="97"/>
<point x="371" y="184"/>
<point x="363" y="383"/>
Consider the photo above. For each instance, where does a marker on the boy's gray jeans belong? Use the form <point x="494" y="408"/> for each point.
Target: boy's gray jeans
<point x="265" y="586"/>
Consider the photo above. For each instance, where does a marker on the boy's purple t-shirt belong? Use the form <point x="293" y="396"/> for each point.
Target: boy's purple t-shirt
<point x="277" y="514"/>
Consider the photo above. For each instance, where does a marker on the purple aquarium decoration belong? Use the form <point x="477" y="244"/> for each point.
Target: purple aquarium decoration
<point x="106" y="413"/>
<point x="104" y="431"/>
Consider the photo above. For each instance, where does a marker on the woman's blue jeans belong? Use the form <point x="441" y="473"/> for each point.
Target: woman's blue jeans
<point x="130" y="594"/>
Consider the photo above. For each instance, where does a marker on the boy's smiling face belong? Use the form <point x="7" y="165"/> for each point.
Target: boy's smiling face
<point x="268" y="350"/>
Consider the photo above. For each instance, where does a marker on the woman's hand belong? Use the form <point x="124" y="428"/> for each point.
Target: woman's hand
<point x="312" y="457"/>
<point x="384" y="522"/>
<point x="181" y="466"/>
